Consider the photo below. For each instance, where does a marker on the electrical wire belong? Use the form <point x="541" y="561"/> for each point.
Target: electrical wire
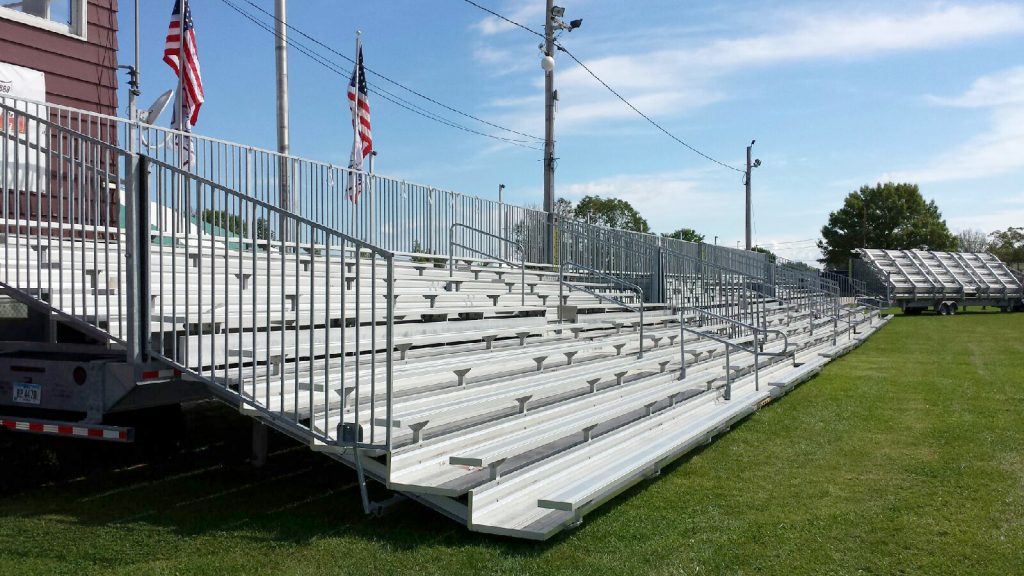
<point x="512" y="22"/>
<point x="642" y="115"/>
<point x="385" y="78"/>
<point x="376" y="90"/>
<point x="608" y="87"/>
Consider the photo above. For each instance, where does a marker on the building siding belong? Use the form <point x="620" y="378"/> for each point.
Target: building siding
<point x="79" y="73"/>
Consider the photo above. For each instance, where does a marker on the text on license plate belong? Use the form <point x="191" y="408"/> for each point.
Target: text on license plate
<point x="25" y="393"/>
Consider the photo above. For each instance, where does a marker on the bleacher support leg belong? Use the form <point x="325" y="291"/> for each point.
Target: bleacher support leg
<point x="259" y="444"/>
<point x="361" y="476"/>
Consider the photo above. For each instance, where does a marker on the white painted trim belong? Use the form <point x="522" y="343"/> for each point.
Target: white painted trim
<point x="79" y="30"/>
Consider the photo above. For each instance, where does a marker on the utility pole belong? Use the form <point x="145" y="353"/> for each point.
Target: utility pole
<point x="501" y="219"/>
<point x="548" y="64"/>
<point x="281" y="52"/>
<point x="746" y="183"/>
<point x="552" y="21"/>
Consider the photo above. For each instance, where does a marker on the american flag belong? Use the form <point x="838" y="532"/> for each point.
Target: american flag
<point x="179" y="46"/>
<point x="362" y="141"/>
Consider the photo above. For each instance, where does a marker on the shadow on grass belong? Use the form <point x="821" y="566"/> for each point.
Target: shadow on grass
<point x="204" y="485"/>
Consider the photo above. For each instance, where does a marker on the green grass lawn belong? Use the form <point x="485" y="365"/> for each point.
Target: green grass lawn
<point x="904" y="457"/>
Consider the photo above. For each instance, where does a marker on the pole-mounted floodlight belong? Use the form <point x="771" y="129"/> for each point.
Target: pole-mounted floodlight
<point x="557" y="11"/>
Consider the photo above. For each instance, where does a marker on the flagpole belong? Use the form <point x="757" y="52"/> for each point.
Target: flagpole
<point x="178" y="104"/>
<point x="373" y="221"/>
<point x="355" y="127"/>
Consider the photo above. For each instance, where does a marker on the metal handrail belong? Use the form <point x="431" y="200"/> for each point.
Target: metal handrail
<point x="633" y="287"/>
<point x="522" y="254"/>
<point x="749" y="283"/>
<point x="753" y="327"/>
<point x="756" y="350"/>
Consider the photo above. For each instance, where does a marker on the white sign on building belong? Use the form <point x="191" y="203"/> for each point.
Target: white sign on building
<point x="24" y="139"/>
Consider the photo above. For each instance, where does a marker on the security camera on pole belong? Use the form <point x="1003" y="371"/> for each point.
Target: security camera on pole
<point x="552" y="21"/>
<point x="746" y="182"/>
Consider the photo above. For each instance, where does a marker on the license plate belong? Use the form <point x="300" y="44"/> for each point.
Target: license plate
<point x="25" y="393"/>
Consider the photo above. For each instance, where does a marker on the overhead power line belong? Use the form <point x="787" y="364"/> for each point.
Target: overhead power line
<point x="512" y="22"/>
<point x="376" y="90"/>
<point x="644" y="116"/>
<point x="608" y="87"/>
<point x="389" y="80"/>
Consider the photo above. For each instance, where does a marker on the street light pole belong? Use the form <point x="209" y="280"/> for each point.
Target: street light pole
<point x="501" y="218"/>
<point x="281" y="53"/>
<point x="549" y="129"/>
<point x="746" y="184"/>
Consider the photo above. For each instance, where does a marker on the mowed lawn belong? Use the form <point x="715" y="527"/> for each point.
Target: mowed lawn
<point x="904" y="457"/>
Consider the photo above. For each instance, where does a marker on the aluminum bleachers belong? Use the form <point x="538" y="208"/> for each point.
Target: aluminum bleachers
<point x="510" y="395"/>
<point x="947" y="281"/>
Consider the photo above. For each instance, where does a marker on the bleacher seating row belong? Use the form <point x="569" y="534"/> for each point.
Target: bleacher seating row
<point x="514" y="406"/>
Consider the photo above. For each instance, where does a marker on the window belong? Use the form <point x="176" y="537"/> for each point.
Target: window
<point x="63" y="16"/>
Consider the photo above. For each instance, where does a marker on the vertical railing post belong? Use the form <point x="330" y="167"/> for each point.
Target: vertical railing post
<point x="390" y="337"/>
<point x="451" y="252"/>
<point x="137" y="254"/>
<point x="682" y="344"/>
<point x="728" y="375"/>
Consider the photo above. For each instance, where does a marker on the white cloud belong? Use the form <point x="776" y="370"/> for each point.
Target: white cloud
<point x="1001" y="89"/>
<point x="669" y="82"/>
<point x="792" y="247"/>
<point x="843" y="35"/>
<point x="990" y="153"/>
<point x="667" y="200"/>
<point x="987" y="222"/>
<point x="526" y="13"/>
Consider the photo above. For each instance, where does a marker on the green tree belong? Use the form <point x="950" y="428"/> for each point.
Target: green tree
<point x="688" y="234"/>
<point x="563" y="208"/>
<point x="890" y="216"/>
<point x="1008" y="245"/>
<point x="763" y="250"/>
<point x="232" y="223"/>
<point x="971" y="241"/>
<point x="610" y="212"/>
<point x="263" y="231"/>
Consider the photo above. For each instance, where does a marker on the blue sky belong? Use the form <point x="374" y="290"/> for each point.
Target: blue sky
<point x="837" y="95"/>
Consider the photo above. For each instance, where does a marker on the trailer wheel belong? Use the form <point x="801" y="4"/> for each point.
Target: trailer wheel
<point x="942" y="309"/>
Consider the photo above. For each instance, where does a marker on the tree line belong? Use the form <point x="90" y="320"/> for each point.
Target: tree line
<point x="891" y="216"/>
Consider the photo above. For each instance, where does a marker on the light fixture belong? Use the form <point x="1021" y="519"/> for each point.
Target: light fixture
<point x="547" y="63"/>
<point x="557" y="11"/>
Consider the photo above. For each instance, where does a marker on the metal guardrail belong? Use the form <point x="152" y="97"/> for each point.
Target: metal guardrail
<point x="562" y="299"/>
<point x="452" y="245"/>
<point x="696" y="282"/>
<point x="160" y="282"/>
<point x="757" y="350"/>
<point x="62" y="247"/>
<point x="247" y="319"/>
